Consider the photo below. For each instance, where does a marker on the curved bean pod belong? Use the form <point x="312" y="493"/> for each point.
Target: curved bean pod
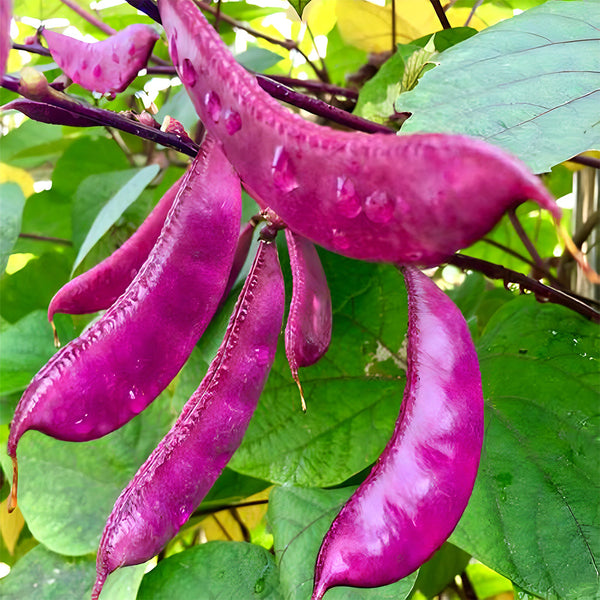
<point x="101" y="380"/>
<point x="418" y="489"/>
<point x="308" y="328"/>
<point x="173" y="481"/>
<point x="48" y="113"/>
<point x="107" y="66"/>
<point x="411" y="199"/>
<point x="98" y="288"/>
<point x="5" y="41"/>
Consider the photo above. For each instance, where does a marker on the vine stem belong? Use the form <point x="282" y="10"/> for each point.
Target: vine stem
<point x="89" y="17"/>
<point x="542" y="292"/>
<point x="441" y="15"/>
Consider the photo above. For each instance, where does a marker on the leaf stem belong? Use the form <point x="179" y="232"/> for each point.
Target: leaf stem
<point x="46" y="238"/>
<point x="441" y="15"/>
<point x="542" y="292"/>
<point x="89" y="17"/>
<point x="588" y="161"/>
<point x="539" y="263"/>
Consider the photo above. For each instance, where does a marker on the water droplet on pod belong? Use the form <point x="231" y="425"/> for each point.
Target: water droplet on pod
<point x="84" y="65"/>
<point x="347" y="200"/>
<point x="233" y="121"/>
<point x="283" y="171"/>
<point x="340" y="240"/>
<point x="213" y="106"/>
<point x="188" y="73"/>
<point x="173" y="50"/>
<point x="131" y="50"/>
<point x="115" y="57"/>
<point x="97" y="71"/>
<point x="379" y="207"/>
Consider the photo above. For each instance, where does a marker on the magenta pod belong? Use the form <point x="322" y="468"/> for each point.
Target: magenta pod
<point x="107" y="66"/>
<point x="5" y="41"/>
<point x="101" y="380"/>
<point x="308" y="328"/>
<point x="418" y="489"/>
<point x="411" y="199"/>
<point x="170" y="485"/>
<point x="48" y="113"/>
<point x="98" y="288"/>
<point x="241" y="253"/>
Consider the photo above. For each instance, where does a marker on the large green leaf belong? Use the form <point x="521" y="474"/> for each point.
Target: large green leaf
<point x="114" y="207"/>
<point x="353" y="393"/>
<point x="530" y="84"/>
<point x="534" y="514"/>
<point x="299" y="519"/>
<point x="26" y="346"/>
<point x="44" y="575"/>
<point x="12" y="202"/>
<point x="216" y="570"/>
<point x="67" y="510"/>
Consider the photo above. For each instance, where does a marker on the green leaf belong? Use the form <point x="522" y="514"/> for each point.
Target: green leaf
<point x="517" y="83"/>
<point x="114" y="208"/>
<point x="31" y="144"/>
<point x="44" y="575"/>
<point x="258" y="59"/>
<point x="26" y="346"/>
<point x="300" y="519"/>
<point x="216" y="570"/>
<point x="12" y="202"/>
<point x="441" y="569"/>
<point x="353" y="393"/>
<point x="33" y="286"/>
<point x="533" y="515"/>
<point x="67" y="510"/>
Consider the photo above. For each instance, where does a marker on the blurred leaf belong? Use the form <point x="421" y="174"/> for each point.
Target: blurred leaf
<point x="220" y="570"/>
<point x="299" y="519"/>
<point x="441" y="569"/>
<point x="19" y="176"/>
<point x="486" y="582"/>
<point x="533" y="515"/>
<point x="516" y="84"/>
<point x="12" y="202"/>
<point x="31" y="144"/>
<point x="258" y="59"/>
<point x="299" y="5"/>
<point x="43" y="575"/>
<point x="26" y="347"/>
<point x="115" y="206"/>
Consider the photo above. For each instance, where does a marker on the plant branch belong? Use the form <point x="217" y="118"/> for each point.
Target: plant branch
<point x="148" y="7"/>
<point x="45" y="238"/>
<point x="441" y="15"/>
<point x="472" y="13"/>
<point x="89" y="17"/>
<point x="316" y="86"/>
<point x="588" y="161"/>
<point x="579" y="237"/>
<point x="110" y="118"/>
<point x="209" y="511"/>
<point x="539" y="263"/>
<point x="542" y="292"/>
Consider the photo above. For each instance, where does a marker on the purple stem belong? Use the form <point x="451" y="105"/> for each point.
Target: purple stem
<point x="90" y="18"/>
<point x="441" y="15"/>
<point x="542" y="292"/>
<point x="109" y="118"/>
<point x="148" y="7"/>
<point x="588" y="161"/>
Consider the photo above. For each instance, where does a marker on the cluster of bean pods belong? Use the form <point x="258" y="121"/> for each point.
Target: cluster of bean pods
<point x="370" y="197"/>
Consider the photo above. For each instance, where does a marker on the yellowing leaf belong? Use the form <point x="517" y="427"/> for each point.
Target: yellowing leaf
<point x="11" y="525"/>
<point x="19" y="176"/>
<point x="320" y="16"/>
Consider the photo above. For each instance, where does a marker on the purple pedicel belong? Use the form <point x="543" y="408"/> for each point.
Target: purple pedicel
<point x="119" y="365"/>
<point x="170" y="485"/>
<point x="308" y="328"/>
<point x="411" y="199"/>
<point x="47" y="113"/>
<point x="99" y="288"/>
<point x="421" y="484"/>
<point x="108" y="66"/>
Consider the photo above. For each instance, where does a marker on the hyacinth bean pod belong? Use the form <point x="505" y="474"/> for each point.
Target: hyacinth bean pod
<point x="418" y="489"/>
<point x="101" y="380"/>
<point x="410" y="199"/>
<point x="241" y="254"/>
<point x="47" y="113"/>
<point x="173" y="481"/>
<point x="5" y="41"/>
<point x="308" y="327"/>
<point x="107" y="66"/>
<point x="98" y="288"/>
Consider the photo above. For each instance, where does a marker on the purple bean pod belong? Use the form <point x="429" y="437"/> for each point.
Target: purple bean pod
<point x="47" y="113"/>
<point x="410" y="199"/>
<point x="119" y="365"/>
<point x="421" y="484"/>
<point x="241" y="254"/>
<point x="5" y="41"/>
<point x="99" y="288"/>
<point x="308" y="328"/>
<point x="108" y="66"/>
<point x="170" y="485"/>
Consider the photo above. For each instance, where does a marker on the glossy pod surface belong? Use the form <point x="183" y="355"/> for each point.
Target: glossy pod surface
<point x="308" y="327"/>
<point x="101" y="380"/>
<point x="98" y="288"/>
<point x="47" y="113"/>
<point x="107" y="66"/>
<point x="178" y="474"/>
<point x="421" y="484"/>
<point x="412" y="199"/>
